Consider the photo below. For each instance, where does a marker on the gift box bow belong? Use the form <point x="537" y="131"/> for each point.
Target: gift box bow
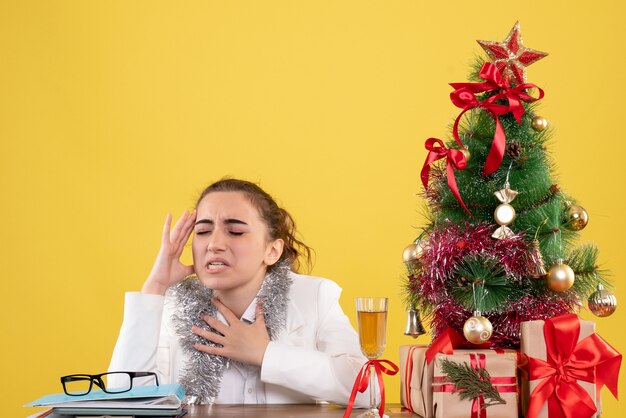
<point x="567" y="361"/>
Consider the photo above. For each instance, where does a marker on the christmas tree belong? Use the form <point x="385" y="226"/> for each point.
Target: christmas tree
<point x="500" y="246"/>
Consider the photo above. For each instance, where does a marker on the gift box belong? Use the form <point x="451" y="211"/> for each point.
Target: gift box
<point x="501" y="366"/>
<point x="416" y="376"/>
<point x="416" y="379"/>
<point x="566" y="365"/>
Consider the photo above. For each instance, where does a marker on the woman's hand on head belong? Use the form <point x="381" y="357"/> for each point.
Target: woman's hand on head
<point x="168" y="269"/>
<point x="240" y="341"/>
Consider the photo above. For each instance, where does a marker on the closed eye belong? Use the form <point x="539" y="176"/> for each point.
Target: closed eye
<point x="236" y="233"/>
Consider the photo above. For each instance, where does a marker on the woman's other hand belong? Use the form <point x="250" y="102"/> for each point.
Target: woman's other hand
<point x="240" y="341"/>
<point x="168" y="269"/>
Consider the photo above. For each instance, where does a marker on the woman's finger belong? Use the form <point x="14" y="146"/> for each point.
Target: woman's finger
<point x="215" y="323"/>
<point x="186" y="231"/>
<point x="165" y="236"/>
<point x="218" y="351"/>
<point x="175" y="234"/>
<point x="208" y="335"/>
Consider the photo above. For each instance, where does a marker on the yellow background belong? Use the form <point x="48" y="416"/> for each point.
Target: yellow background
<point x="114" y="113"/>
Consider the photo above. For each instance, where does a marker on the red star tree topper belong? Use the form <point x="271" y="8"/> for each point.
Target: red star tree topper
<point x="510" y="56"/>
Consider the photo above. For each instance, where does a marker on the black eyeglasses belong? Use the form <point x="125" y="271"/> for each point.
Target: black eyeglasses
<point x="113" y="382"/>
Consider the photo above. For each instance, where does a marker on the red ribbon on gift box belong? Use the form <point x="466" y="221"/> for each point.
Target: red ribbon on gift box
<point x="407" y="377"/>
<point x="591" y="360"/>
<point x="478" y="404"/>
<point x="464" y="97"/>
<point x="363" y="379"/>
<point x="447" y="341"/>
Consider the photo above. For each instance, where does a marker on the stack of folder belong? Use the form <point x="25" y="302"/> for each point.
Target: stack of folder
<point x="140" y="401"/>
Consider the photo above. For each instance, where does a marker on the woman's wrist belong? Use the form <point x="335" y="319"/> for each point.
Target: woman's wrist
<point x="153" y="287"/>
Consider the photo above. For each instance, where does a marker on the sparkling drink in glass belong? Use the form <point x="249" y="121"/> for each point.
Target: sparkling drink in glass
<point x="372" y="320"/>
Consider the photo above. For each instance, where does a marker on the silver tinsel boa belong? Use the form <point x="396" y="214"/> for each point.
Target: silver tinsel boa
<point x="202" y="375"/>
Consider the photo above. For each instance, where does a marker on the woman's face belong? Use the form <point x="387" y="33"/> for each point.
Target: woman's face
<point x="231" y="245"/>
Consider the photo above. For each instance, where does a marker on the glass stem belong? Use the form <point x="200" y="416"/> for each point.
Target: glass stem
<point x="372" y="383"/>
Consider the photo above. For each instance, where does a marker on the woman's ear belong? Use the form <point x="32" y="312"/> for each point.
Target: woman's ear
<point x="274" y="251"/>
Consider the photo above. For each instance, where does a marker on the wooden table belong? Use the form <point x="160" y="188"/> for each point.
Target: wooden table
<point x="294" y="411"/>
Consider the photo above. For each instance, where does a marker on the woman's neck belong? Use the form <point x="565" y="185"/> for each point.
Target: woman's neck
<point x="238" y="299"/>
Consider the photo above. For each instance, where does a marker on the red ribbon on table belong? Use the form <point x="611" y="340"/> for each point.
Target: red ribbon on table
<point x="478" y="404"/>
<point x="454" y="159"/>
<point x="567" y="361"/>
<point x="464" y="97"/>
<point x="363" y="378"/>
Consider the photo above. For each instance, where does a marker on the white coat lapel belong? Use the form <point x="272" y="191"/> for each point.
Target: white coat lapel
<point x="295" y="320"/>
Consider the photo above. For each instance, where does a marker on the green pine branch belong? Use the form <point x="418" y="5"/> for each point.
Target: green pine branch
<point x="583" y="260"/>
<point x="481" y="284"/>
<point x="470" y="383"/>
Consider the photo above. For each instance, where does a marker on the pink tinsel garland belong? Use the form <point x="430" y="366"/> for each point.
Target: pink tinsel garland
<point x="447" y="246"/>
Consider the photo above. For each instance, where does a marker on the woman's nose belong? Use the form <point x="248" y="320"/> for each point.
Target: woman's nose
<point x="216" y="241"/>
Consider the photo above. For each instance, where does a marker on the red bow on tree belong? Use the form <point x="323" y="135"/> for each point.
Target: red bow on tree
<point x="591" y="360"/>
<point x="464" y="96"/>
<point x="454" y="159"/>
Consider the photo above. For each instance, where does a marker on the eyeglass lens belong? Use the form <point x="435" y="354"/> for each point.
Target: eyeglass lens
<point x="77" y="384"/>
<point x="116" y="382"/>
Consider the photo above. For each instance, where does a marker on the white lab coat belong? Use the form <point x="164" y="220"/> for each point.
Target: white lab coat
<point x="315" y="358"/>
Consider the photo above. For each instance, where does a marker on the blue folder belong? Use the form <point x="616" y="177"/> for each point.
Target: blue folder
<point x="158" y="397"/>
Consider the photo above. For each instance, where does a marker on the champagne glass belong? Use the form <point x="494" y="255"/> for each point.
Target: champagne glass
<point x="372" y="319"/>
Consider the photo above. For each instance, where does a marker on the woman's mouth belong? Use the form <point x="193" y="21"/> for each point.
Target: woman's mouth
<point x="216" y="266"/>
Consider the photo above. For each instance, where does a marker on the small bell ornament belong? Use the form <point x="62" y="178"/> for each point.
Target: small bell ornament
<point x="414" y="327"/>
<point x="477" y="329"/>
<point x="539" y="268"/>
<point x="602" y="302"/>
<point x="560" y="277"/>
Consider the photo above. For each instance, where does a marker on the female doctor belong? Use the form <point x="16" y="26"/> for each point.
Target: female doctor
<point x="239" y="326"/>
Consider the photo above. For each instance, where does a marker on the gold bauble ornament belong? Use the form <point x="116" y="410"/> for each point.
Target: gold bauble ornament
<point x="413" y="251"/>
<point x="560" y="277"/>
<point x="409" y="253"/>
<point x="576" y="218"/>
<point x="539" y="123"/>
<point x="602" y="302"/>
<point x="477" y="329"/>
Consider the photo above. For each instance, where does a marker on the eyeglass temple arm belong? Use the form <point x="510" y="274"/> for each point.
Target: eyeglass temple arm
<point x="145" y="374"/>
